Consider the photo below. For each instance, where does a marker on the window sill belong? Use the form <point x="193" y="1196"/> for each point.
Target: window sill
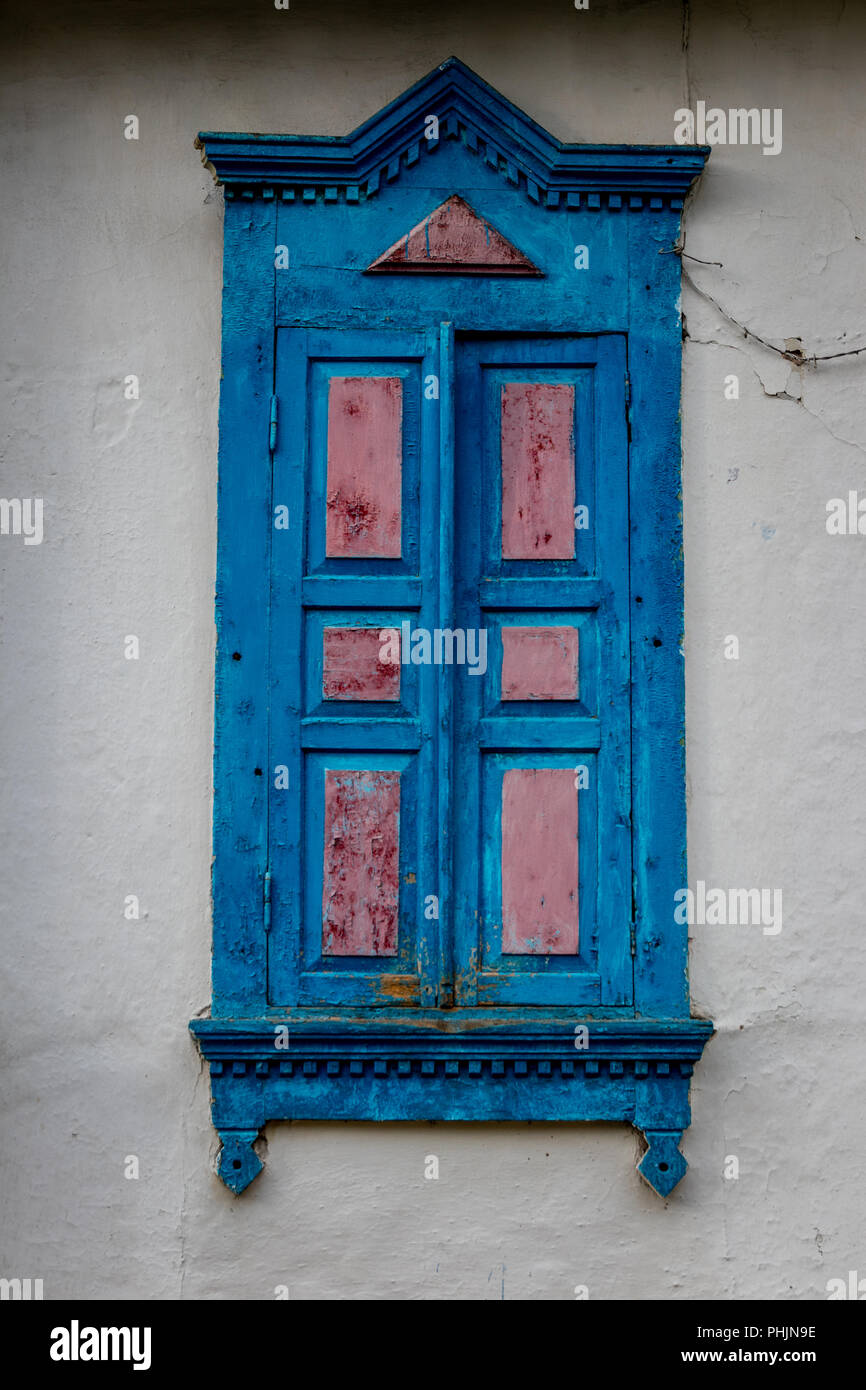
<point x="543" y="1069"/>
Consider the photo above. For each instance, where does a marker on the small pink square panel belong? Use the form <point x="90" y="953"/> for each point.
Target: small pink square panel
<point x="539" y="663"/>
<point x="360" y="663"/>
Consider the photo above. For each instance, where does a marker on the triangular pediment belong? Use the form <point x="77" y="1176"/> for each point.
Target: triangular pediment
<point x="453" y="240"/>
<point x="356" y="167"/>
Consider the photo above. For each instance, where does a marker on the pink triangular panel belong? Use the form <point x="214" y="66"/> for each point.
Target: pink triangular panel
<point x="453" y="239"/>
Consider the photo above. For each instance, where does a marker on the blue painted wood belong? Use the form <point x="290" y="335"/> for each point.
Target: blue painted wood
<point x="537" y="731"/>
<point x="285" y="669"/>
<point x="241" y="769"/>
<point x="658" y="678"/>
<point x="615" y="691"/>
<point x="403" y="1037"/>
<point x="631" y="1071"/>
<point x="469" y="109"/>
<point x="446" y="792"/>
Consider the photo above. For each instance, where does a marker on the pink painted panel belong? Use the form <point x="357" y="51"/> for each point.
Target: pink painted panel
<point x="537" y="435"/>
<point x="351" y="664"/>
<point x="454" y="237"/>
<point x="365" y="434"/>
<point x="539" y="663"/>
<point x="360" y="892"/>
<point x="539" y="862"/>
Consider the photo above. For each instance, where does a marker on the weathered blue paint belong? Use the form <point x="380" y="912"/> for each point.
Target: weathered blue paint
<point x="449" y="1028"/>
<point x="446" y="793"/>
<point x="375" y="1068"/>
<point x="241" y="772"/>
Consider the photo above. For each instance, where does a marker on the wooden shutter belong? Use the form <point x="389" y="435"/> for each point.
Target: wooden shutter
<point x="413" y="784"/>
<point x="352" y="838"/>
<point x="542" y="906"/>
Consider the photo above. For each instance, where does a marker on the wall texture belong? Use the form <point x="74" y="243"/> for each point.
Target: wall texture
<point x="112" y="267"/>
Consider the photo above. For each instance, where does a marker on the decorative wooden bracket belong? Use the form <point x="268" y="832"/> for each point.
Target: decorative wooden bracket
<point x="238" y="1161"/>
<point x="662" y="1165"/>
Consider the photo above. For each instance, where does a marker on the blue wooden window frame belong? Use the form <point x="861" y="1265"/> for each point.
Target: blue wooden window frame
<point x="335" y="204"/>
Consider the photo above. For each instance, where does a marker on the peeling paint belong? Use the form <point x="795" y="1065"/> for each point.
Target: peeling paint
<point x="360" y="893"/>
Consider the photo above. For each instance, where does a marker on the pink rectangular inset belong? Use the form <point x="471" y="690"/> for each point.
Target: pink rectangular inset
<point x="360" y="891"/>
<point x="539" y="663"/>
<point x="352" y="665"/>
<point x="537" y="439"/>
<point x="539" y="862"/>
<point x="365" y="466"/>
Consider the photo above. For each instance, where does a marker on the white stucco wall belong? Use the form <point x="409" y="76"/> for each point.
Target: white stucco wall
<point x="113" y="266"/>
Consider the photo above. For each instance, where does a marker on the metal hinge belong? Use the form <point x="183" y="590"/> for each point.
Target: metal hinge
<point x="632" y="938"/>
<point x="272" y="436"/>
<point x="267" y="899"/>
<point x="628" y="404"/>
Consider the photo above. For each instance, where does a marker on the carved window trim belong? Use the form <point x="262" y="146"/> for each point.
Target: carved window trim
<point x="519" y="1065"/>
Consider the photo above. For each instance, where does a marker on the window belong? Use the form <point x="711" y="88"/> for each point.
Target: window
<point x="449" y="795"/>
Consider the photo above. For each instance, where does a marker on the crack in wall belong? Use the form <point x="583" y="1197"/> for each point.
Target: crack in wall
<point x="779" y="395"/>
